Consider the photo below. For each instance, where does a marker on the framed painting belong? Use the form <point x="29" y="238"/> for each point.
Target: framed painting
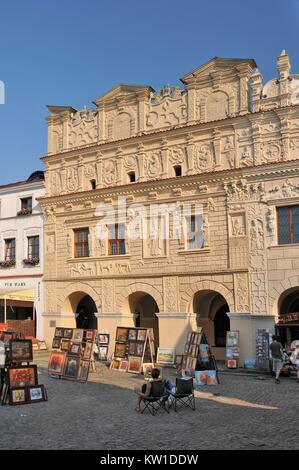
<point x="141" y="335"/>
<point x="121" y="334"/>
<point x="204" y="352"/>
<point x="65" y="345"/>
<point x="7" y="337"/>
<point x="17" y="396"/>
<point x="87" y="350"/>
<point x="132" y="348"/>
<point x="59" y="332"/>
<point x="42" y="346"/>
<point x="22" y="376"/>
<point x="200" y="377"/>
<point x="231" y="363"/>
<point x="56" y="363"/>
<point x="229" y="353"/>
<point x="90" y="334"/>
<point x="211" y="377"/>
<point x="189" y="337"/>
<point x="72" y="365"/>
<point x="115" y="363"/>
<point x="120" y="350"/>
<point x="197" y="338"/>
<point x="84" y="371"/>
<point x="132" y="336"/>
<point x="104" y="338"/>
<point x="166" y="356"/>
<point x="20" y="350"/>
<point x="139" y="348"/>
<point x="68" y="333"/>
<point x="36" y="394"/>
<point x="75" y="349"/>
<point x="103" y="353"/>
<point x="78" y="335"/>
<point x="123" y="366"/>
<point x="232" y="339"/>
<point x="135" y="364"/>
<point x="56" y="343"/>
<point x="194" y="351"/>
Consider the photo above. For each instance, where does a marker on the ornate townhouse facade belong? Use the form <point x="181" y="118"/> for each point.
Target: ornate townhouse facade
<point x="21" y="256"/>
<point x="223" y="141"/>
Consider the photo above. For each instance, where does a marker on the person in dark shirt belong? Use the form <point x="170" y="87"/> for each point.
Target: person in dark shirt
<point x="277" y="357"/>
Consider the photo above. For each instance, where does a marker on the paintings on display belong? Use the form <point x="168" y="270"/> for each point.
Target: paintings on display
<point x="72" y="352"/>
<point x="133" y="347"/>
<point x="232" y="349"/>
<point x="19" y="384"/>
<point x="198" y="360"/>
<point x="166" y="356"/>
<point x="262" y="361"/>
<point x="103" y="346"/>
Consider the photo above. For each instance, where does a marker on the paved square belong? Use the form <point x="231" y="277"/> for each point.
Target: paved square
<point x="250" y="412"/>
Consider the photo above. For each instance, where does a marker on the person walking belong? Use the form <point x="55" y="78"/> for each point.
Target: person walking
<point x="295" y="359"/>
<point x="277" y="357"/>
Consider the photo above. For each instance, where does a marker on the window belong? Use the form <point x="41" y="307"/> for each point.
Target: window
<point x="10" y="249"/>
<point x="93" y="184"/>
<point x="288" y="225"/>
<point x="132" y="176"/>
<point x="194" y="232"/>
<point x="116" y="239"/>
<point x="178" y="170"/>
<point x="81" y="242"/>
<point x="33" y="247"/>
<point x="26" y="204"/>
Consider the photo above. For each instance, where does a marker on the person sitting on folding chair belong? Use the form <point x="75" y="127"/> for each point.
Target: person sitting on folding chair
<point x="182" y="393"/>
<point x="145" y="390"/>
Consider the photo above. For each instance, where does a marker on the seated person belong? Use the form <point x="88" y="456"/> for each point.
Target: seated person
<point x="146" y="389"/>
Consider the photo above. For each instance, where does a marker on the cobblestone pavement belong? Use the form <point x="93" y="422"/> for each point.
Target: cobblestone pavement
<point x="100" y="415"/>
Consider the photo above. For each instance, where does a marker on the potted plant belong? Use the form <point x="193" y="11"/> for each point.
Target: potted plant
<point x="31" y="261"/>
<point x="8" y="263"/>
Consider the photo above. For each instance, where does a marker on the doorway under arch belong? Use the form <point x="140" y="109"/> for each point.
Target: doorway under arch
<point x="288" y="311"/>
<point x="211" y="309"/>
<point x="84" y="309"/>
<point x="144" y="308"/>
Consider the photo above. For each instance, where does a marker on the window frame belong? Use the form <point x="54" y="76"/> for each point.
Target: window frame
<point x="290" y="225"/>
<point x="84" y="243"/>
<point x="36" y="247"/>
<point x="12" y="249"/>
<point x="188" y="221"/>
<point x="116" y="244"/>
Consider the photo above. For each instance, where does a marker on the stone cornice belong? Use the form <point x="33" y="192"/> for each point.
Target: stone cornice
<point x="174" y="131"/>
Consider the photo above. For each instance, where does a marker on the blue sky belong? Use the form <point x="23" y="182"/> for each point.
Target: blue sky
<point x="65" y="52"/>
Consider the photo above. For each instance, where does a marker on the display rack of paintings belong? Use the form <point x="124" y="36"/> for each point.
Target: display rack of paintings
<point x="232" y="349"/>
<point x="19" y="380"/>
<point x="262" y="362"/>
<point x="133" y="347"/>
<point x="198" y="359"/>
<point x="103" y="346"/>
<point x="72" y="353"/>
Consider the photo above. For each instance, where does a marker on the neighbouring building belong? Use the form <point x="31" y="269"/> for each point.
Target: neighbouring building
<point x="21" y="259"/>
<point x="223" y="142"/>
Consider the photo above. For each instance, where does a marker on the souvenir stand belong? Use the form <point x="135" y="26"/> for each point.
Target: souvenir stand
<point x="19" y="381"/>
<point x="262" y="350"/>
<point x="72" y="353"/>
<point x="133" y="348"/>
<point x="232" y="349"/>
<point x="199" y="360"/>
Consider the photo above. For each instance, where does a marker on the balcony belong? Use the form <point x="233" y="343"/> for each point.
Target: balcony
<point x="31" y="261"/>
<point x="9" y="263"/>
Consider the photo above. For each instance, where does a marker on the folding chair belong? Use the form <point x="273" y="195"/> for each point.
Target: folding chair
<point x="158" y="400"/>
<point x="184" y="395"/>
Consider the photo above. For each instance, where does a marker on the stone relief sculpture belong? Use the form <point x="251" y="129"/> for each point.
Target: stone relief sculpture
<point x="82" y="270"/>
<point x="153" y="164"/>
<point x="72" y="179"/>
<point x="203" y="157"/>
<point x="167" y="107"/>
<point x="257" y="235"/>
<point x="217" y="106"/>
<point x="110" y="172"/>
<point x="246" y="157"/>
<point x="50" y="244"/>
<point x="237" y="226"/>
<point x="83" y="128"/>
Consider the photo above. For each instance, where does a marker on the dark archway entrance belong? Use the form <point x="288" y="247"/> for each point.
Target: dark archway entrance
<point x="211" y="309"/>
<point x="144" y="307"/>
<point x="288" y="311"/>
<point x="85" y="314"/>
